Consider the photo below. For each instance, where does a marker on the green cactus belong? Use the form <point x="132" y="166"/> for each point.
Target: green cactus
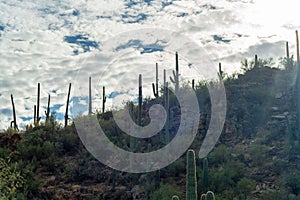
<point x="148" y="176"/>
<point x="14" y="122"/>
<point x="191" y="179"/>
<point x="208" y="196"/>
<point x="103" y="100"/>
<point x="67" y="106"/>
<point x="191" y="182"/>
<point x="175" y="197"/>
<point x="175" y="78"/>
<point x="155" y="87"/>
<point x="205" y="174"/>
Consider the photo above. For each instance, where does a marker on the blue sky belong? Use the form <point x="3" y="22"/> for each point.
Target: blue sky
<point x="58" y="42"/>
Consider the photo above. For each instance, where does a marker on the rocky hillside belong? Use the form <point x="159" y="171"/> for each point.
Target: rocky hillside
<point x="256" y="157"/>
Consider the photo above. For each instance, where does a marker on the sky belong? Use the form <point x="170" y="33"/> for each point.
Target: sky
<point x="62" y="41"/>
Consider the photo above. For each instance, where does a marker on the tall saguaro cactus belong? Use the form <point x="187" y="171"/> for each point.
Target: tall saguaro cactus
<point x="191" y="182"/>
<point x="155" y="87"/>
<point x="256" y="61"/>
<point x="298" y="81"/>
<point x="48" y="110"/>
<point x="14" y="122"/>
<point x="175" y="78"/>
<point x="38" y="105"/>
<point x="140" y="101"/>
<point x="297" y="47"/>
<point x="103" y="100"/>
<point x="90" y="95"/>
<point x="34" y="115"/>
<point x="67" y="106"/>
<point x="220" y="73"/>
<point x="167" y="108"/>
<point x="205" y="174"/>
<point x="288" y="63"/>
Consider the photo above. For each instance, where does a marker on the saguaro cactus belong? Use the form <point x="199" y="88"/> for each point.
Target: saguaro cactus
<point x="175" y="78"/>
<point x="191" y="182"/>
<point x="103" y="100"/>
<point x="155" y="87"/>
<point x="34" y="114"/>
<point x="90" y="95"/>
<point x="67" y="106"/>
<point x="167" y="108"/>
<point x="255" y="61"/>
<point x="208" y="196"/>
<point x="298" y="81"/>
<point x="175" y="197"/>
<point x="297" y="47"/>
<point x="193" y="84"/>
<point x="48" y="110"/>
<point x="220" y="73"/>
<point x="38" y="105"/>
<point x="14" y="122"/>
<point x="205" y="174"/>
<point x="140" y="101"/>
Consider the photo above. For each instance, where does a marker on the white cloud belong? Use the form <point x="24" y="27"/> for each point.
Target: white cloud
<point x="33" y="49"/>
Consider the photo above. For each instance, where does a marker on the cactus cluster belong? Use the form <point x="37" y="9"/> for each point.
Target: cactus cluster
<point x="191" y="179"/>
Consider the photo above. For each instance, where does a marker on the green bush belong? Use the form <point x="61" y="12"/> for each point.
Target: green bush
<point x="245" y="186"/>
<point x="11" y="180"/>
<point x="165" y="192"/>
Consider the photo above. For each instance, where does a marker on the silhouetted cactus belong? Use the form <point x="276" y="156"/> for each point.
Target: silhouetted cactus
<point x="103" y="100"/>
<point x="38" y="105"/>
<point x="193" y="84"/>
<point x="90" y="95"/>
<point x="67" y="106"/>
<point x="220" y="73"/>
<point x="155" y="87"/>
<point x="175" y="78"/>
<point x="256" y="61"/>
<point x="297" y="47"/>
<point x="47" y="113"/>
<point x="288" y="61"/>
<point x="14" y="122"/>
<point x="140" y="99"/>
<point x="34" y="115"/>
<point x="191" y="179"/>
<point x="167" y="108"/>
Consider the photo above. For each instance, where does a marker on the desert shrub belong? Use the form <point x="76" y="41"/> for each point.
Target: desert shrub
<point x="245" y="186"/>
<point x="258" y="153"/>
<point x="165" y="192"/>
<point x="11" y="180"/>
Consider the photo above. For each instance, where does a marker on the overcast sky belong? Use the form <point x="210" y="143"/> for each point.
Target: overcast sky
<point x="57" y="42"/>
